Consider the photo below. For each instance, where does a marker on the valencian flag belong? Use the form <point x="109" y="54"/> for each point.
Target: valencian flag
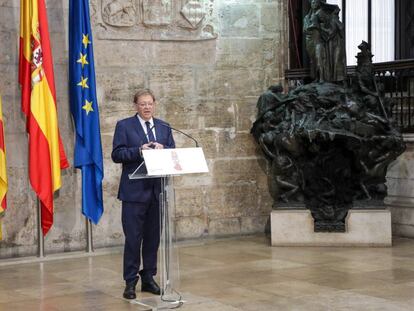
<point x="84" y="107"/>
<point x="3" y="171"/>
<point x="46" y="154"/>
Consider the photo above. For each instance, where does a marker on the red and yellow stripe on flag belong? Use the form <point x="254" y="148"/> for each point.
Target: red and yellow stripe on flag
<point x="3" y="170"/>
<point x="46" y="154"/>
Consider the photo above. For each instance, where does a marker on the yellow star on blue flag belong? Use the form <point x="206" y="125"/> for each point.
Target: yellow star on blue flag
<point x="85" y="40"/>
<point x="83" y="83"/>
<point x="87" y="107"/>
<point x="82" y="59"/>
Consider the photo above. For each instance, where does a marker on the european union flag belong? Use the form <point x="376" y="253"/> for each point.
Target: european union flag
<point x="84" y="108"/>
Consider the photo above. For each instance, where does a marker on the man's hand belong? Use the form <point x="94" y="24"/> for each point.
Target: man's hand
<point x="157" y="145"/>
<point x="147" y="146"/>
<point x="152" y="145"/>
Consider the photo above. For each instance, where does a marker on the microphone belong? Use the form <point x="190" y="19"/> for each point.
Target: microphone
<point x="179" y="131"/>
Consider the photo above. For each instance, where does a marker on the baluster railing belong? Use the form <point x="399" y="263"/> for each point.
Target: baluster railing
<point x="397" y="78"/>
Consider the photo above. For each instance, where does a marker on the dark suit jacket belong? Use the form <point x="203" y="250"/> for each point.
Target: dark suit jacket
<point x="128" y="138"/>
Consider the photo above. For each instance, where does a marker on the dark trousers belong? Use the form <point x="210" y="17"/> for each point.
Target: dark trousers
<point x="141" y="226"/>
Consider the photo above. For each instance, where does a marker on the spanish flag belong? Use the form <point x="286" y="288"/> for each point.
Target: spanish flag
<point x="3" y="171"/>
<point x="46" y="154"/>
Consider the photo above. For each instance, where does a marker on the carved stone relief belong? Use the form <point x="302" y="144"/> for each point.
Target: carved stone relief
<point x="157" y="12"/>
<point x="193" y="12"/>
<point x="119" y="12"/>
<point x="176" y="20"/>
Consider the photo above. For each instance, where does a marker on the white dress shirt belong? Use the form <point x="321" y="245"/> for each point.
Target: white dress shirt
<point x="144" y="126"/>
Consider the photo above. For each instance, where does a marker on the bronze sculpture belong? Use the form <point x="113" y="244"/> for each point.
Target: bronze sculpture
<point x="324" y="38"/>
<point x="328" y="143"/>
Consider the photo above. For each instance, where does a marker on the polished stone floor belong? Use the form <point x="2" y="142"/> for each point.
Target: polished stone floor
<point x="225" y="275"/>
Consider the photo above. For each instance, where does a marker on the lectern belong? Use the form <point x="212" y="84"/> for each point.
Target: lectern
<point x="164" y="164"/>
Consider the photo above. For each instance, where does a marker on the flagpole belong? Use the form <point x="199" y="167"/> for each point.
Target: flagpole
<point x="40" y="238"/>
<point x="89" y="241"/>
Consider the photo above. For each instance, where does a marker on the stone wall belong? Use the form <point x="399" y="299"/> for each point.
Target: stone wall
<point x="207" y="74"/>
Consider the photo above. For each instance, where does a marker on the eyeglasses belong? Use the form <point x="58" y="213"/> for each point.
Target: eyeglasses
<point x="145" y="104"/>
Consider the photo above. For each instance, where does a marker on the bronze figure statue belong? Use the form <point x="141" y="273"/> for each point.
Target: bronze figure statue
<point x="329" y="144"/>
<point x="324" y="39"/>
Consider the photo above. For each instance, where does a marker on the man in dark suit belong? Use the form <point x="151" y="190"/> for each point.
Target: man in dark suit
<point x="140" y="197"/>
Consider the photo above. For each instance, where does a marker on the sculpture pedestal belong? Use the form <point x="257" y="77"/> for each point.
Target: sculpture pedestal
<point x="363" y="228"/>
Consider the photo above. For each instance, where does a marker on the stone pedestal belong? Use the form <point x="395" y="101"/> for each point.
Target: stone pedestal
<point x="400" y="182"/>
<point x="363" y="228"/>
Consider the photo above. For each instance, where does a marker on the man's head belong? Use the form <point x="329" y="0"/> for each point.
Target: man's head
<point x="144" y="101"/>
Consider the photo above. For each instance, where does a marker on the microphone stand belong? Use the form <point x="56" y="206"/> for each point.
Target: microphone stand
<point x="179" y="131"/>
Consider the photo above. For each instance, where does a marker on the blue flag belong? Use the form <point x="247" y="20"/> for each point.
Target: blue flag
<point x="84" y="108"/>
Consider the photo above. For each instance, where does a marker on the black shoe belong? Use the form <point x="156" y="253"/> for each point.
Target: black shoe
<point x="150" y="286"/>
<point x="129" y="292"/>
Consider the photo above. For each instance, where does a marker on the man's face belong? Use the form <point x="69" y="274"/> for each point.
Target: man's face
<point x="145" y="106"/>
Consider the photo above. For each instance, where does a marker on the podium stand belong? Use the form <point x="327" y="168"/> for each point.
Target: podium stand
<point x="165" y="164"/>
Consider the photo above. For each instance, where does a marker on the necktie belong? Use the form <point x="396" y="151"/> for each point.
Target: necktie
<point x="150" y="134"/>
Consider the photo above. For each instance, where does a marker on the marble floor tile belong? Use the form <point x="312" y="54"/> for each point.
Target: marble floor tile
<point x="352" y="266"/>
<point x="395" y="276"/>
<point x="237" y="274"/>
<point x="239" y="295"/>
<point x="308" y="272"/>
<point x="27" y="305"/>
<point x="281" y="303"/>
<point x="295" y="289"/>
<point x="346" y="281"/>
<point x="395" y="292"/>
<point x="346" y="300"/>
